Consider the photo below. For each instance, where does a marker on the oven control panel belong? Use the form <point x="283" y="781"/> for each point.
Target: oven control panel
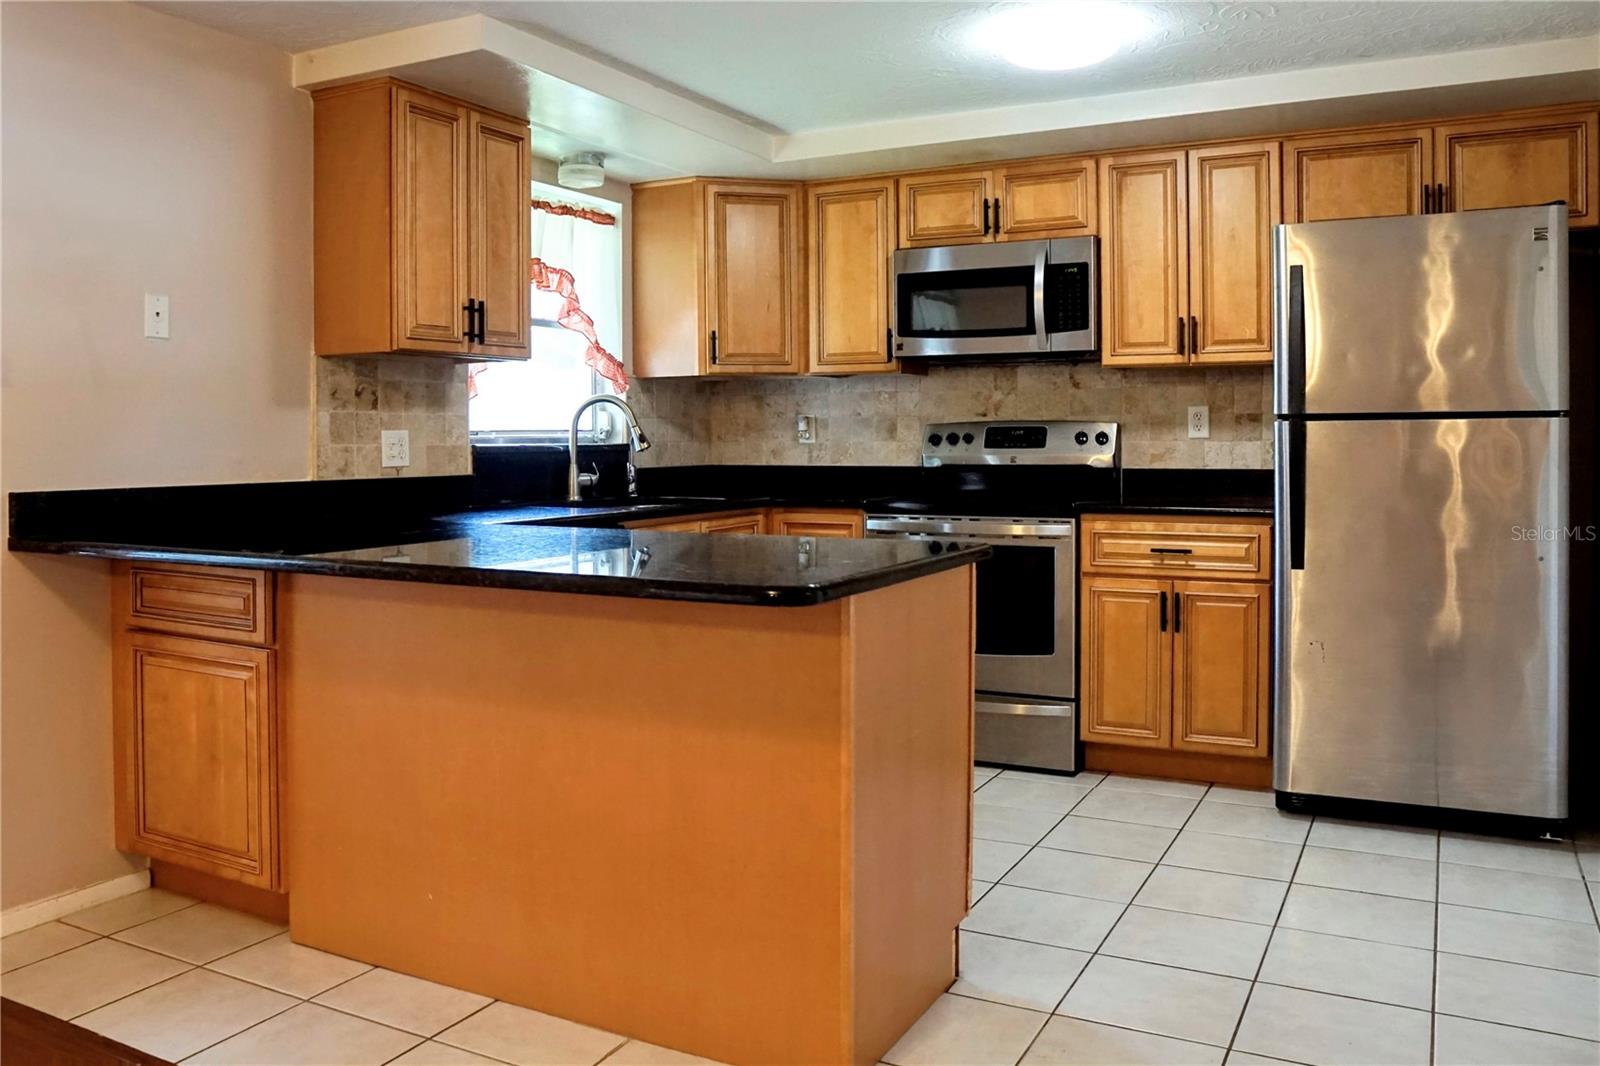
<point x="1021" y="444"/>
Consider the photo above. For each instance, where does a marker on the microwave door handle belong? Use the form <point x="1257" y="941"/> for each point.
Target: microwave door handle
<point x="1042" y="337"/>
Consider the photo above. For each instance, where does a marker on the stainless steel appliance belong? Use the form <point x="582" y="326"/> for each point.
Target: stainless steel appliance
<point x="1014" y="298"/>
<point x="1027" y="590"/>
<point x="1422" y="482"/>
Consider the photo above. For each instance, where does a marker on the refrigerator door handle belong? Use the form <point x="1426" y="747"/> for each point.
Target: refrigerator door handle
<point x="1296" y="517"/>
<point x="1294" y="365"/>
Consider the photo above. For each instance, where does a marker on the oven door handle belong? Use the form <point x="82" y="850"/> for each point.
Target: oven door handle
<point x="1041" y="336"/>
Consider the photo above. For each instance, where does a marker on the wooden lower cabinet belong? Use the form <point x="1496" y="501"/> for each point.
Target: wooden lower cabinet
<point x="1182" y="662"/>
<point x="1220" y="667"/>
<point x="829" y="523"/>
<point x="196" y="733"/>
<point x="755" y="522"/>
<point x="1127" y="662"/>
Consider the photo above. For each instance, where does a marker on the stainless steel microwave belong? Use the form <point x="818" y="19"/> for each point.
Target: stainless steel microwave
<point x="1015" y="298"/>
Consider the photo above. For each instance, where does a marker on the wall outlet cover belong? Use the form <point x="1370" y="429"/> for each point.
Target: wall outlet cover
<point x="805" y="429"/>
<point x="157" y="316"/>
<point x="396" y="447"/>
<point x="1199" y="422"/>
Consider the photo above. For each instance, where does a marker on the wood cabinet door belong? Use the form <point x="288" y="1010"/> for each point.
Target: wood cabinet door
<point x="430" y="223"/>
<point x="752" y="278"/>
<point x="499" y="199"/>
<point x="197" y="753"/>
<point x="817" y="523"/>
<point x="739" y="523"/>
<point x="1234" y="197"/>
<point x="850" y="251"/>
<point x="1144" y="259"/>
<point x="1220" y="655"/>
<point x="1127" y="662"/>
<point x="1357" y="174"/>
<point x="1050" y="199"/>
<point x="950" y="207"/>
<point x="1521" y="161"/>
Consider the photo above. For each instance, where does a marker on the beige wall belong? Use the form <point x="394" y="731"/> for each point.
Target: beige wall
<point x="141" y="153"/>
<point x="878" y="420"/>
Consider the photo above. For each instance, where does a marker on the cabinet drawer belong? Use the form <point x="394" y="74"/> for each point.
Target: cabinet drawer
<point x="200" y="601"/>
<point x="1235" y="550"/>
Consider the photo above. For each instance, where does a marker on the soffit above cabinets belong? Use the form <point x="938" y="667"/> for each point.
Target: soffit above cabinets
<point x="802" y="90"/>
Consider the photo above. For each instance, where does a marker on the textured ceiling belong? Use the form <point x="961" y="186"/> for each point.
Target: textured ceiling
<point x="794" y="66"/>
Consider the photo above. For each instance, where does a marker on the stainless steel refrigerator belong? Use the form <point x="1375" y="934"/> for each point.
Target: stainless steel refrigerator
<point x="1420" y="620"/>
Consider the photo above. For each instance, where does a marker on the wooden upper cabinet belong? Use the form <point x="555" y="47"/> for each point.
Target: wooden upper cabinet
<point x="420" y="205"/>
<point x="1220" y="667"/>
<point x="430" y="222"/>
<point x="1144" y="254"/>
<point x="753" y="277"/>
<point x="1357" y="174"/>
<point x="500" y="184"/>
<point x="1054" y="198"/>
<point x="948" y="207"/>
<point x="850" y="257"/>
<point x="1522" y="160"/>
<point x="1127" y="668"/>
<point x="718" y="278"/>
<point x="1234" y="197"/>
<point x="195" y="727"/>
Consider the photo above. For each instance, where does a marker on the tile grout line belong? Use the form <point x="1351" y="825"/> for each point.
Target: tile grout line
<point x="1433" y="971"/>
<point x="1123" y="913"/>
<point x="1261" y="963"/>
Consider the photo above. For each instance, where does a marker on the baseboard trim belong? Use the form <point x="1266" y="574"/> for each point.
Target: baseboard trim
<point x="27" y="915"/>
<point x="1181" y="765"/>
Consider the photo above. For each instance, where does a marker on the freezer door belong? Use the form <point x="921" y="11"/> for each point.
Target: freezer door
<point x="1421" y="612"/>
<point x="1456" y="313"/>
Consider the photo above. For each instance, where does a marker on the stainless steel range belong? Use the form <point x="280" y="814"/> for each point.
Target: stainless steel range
<point x="1027" y="591"/>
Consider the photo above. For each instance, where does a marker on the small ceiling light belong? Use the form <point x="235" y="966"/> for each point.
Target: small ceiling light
<point x="582" y="170"/>
<point x="1060" y="36"/>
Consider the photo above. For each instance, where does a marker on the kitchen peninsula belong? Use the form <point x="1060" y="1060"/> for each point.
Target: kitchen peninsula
<point x="711" y="792"/>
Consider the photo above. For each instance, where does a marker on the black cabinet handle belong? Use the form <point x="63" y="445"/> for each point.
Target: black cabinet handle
<point x="1171" y="551"/>
<point x="1177" y="612"/>
<point x="1427" y="199"/>
<point x="888" y="345"/>
<point x="1163" y="612"/>
<point x="1441" y="199"/>
<point x="1194" y="335"/>
<point x="483" y="321"/>
<point x="985" y="216"/>
<point x="997" y="214"/>
<point x="1181" y="350"/>
<point x="713" y="346"/>
<point x="471" y="308"/>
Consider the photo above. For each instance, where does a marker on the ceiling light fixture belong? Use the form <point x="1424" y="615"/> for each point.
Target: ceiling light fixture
<point x="1060" y="36"/>
<point x="582" y="170"/>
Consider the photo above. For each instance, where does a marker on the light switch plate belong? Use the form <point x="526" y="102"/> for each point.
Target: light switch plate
<point x="805" y="429"/>
<point x="396" y="447"/>
<point x="157" y="312"/>
<point x="1199" y="422"/>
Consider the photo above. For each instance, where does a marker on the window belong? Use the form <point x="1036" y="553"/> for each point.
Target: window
<point x="535" y="400"/>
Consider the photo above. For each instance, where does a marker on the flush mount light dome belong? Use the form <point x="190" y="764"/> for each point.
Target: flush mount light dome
<point x="1060" y="36"/>
<point x="582" y="170"/>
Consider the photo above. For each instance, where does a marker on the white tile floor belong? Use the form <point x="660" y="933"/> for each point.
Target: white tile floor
<point x="1134" y="921"/>
<point x="1114" y="920"/>
<point x="195" y="983"/>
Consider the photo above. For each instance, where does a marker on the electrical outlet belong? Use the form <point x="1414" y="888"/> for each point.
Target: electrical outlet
<point x="396" y="447"/>
<point x="1199" y="422"/>
<point x="157" y="312"/>
<point x="805" y="430"/>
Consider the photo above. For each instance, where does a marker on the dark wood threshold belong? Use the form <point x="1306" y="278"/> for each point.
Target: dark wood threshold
<point x="30" y="1037"/>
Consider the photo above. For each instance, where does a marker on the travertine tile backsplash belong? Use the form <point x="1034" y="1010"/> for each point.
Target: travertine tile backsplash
<point x="358" y="398"/>
<point x="878" y="420"/>
<point x="862" y="421"/>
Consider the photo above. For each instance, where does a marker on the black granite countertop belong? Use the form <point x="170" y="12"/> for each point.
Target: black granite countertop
<point x="442" y="530"/>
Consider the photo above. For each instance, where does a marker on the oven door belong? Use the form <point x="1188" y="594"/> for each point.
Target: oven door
<point x="1026" y="600"/>
<point x="971" y="300"/>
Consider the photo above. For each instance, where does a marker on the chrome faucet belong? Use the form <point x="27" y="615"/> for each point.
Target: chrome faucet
<point x="637" y="441"/>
